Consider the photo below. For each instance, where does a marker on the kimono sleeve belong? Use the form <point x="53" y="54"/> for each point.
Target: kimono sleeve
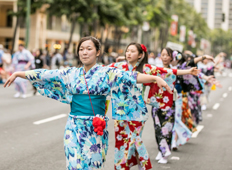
<point x="54" y="84"/>
<point x="126" y="98"/>
<point x="191" y="63"/>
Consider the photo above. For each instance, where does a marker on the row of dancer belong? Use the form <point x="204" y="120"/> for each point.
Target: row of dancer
<point x="167" y="108"/>
<point x="86" y="136"/>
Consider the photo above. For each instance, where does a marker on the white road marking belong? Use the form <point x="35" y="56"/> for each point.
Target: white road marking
<point x="209" y="115"/>
<point x="230" y="88"/>
<point x="217" y="74"/>
<point x="224" y="74"/>
<point x="216" y="106"/>
<point x="225" y="95"/>
<point x="230" y="74"/>
<point x="199" y="128"/>
<point x="49" y="119"/>
<point x="175" y="158"/>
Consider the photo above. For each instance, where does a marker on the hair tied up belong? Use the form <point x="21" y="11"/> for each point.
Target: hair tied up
<point x="144" y="48"/>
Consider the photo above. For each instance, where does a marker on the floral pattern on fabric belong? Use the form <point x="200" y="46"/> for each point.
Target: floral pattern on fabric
<point x="128" y="144"/>
<point x="62" y="84"/>
<point x="189" y="82"/>
<point x="128" y="137"/>
<point x="184" y="134"/>
<point x="155" y="98"/>
<point x="164" y="122"/>
<point x="83" y="147"/>
<point x="195" y="105"/>
<point x="186" y="114"/>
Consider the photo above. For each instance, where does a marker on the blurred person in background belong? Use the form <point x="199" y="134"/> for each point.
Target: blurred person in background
<point x="46" y="59"/>
<point x="39" y="59"/>
<point x="1" y="69"/>
<point x="151" y="59"/>
<point x="23" y="60"/>
<point x="1" y="54"/>
<point x="56" y="60"/>
<point x="69" y="58"/>
<point x="6" y="66"/>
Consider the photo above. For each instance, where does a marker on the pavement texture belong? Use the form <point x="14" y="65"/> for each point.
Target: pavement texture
<point x="26" y="146"/>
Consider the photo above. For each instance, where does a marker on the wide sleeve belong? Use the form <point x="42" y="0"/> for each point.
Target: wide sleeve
<point x="126" y="98"/>
<point x="191" y="63"/>
<point x="155" y="97"/>
<point x="54" y="84"/>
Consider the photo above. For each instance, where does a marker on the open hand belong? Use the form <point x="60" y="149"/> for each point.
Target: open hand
<point x="209" y="58"/>
<point x="194" y="71"/>
<point x="10" y="80"/>
<point x="161" y="83"/>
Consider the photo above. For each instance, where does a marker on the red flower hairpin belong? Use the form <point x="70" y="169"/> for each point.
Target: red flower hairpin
<point x="144" y="48"/>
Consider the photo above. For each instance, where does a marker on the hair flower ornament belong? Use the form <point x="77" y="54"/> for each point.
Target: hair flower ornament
<point x="144" y="48"/>
<point x="178" y="56"/>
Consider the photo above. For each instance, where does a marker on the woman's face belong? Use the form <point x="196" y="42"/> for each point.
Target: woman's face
<point x="166" y="59"/>
<point x="87" y="52"/>
<point x="132" y="54"/>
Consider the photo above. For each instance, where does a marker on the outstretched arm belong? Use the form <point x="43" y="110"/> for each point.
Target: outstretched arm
<point x="11" y="79"/>
<point x="197" y="59"/>
<point x="143" y="78"/>
<point x="194" y="71"/>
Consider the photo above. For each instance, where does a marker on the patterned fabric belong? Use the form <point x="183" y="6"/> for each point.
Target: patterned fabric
<point x="189" y="82"/>
<point x="186" y="114"/>
<point x="128" y="137"/>
<point x="184" y="134"/>
<point x="129" y="145"/>
<point x="195" y="105"/>
<point x="124" y="66"/>
<point x="62" y="84"/>
<point x="84" y="149"/>
<point x="164" y="122"/>
<point x="25" y="55"/>
<point x="155" y="98"/>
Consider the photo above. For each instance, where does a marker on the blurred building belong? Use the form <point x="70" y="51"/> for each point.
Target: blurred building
<point x="45" y="31"/>
<point x="217" y="13"/>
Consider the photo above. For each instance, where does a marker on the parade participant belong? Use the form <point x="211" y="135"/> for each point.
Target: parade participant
<point x="163" y="111"/>
<point x="23" y="60"/>
<point x="181" y="133"/>
<point x="128" y="134"/>
<point x="208" y="69"/>
<point x="85" y="138"/>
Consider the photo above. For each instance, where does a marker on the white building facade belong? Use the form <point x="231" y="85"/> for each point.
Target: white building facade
<point x="213" y="11"/>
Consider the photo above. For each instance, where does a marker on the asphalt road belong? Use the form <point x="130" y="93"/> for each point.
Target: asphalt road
<point x="28" y="146"/>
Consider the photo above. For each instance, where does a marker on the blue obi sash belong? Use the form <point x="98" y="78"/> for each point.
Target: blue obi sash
<point x="81" y="106"/>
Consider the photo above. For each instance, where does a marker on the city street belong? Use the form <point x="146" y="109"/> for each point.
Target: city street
<point x="31" y="134"/>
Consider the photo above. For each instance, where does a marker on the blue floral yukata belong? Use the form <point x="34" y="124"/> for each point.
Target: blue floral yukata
<point x="128" y="136"/>
<point x="84" y="149"/>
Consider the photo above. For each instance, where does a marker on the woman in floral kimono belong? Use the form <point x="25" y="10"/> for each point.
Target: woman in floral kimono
<point x="128" y="134"/>
<point x="163" y="111"/>
<point x="85" y="138"/>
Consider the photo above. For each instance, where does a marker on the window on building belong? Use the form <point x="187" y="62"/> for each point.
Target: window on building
<point x="9" y="19"/>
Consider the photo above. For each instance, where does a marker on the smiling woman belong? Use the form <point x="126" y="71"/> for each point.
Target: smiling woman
<point x="85" y="89"/>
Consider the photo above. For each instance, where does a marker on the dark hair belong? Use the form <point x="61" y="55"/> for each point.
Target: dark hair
<point x="21" y="45"/>
<point x="145" y="58"/>
<point x="169" y="51"/>
<point x="96" y="43"/>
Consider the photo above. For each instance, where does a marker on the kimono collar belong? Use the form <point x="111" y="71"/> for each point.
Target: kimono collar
<point x="131" y="68"/>
<point x="92" y="68"/>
